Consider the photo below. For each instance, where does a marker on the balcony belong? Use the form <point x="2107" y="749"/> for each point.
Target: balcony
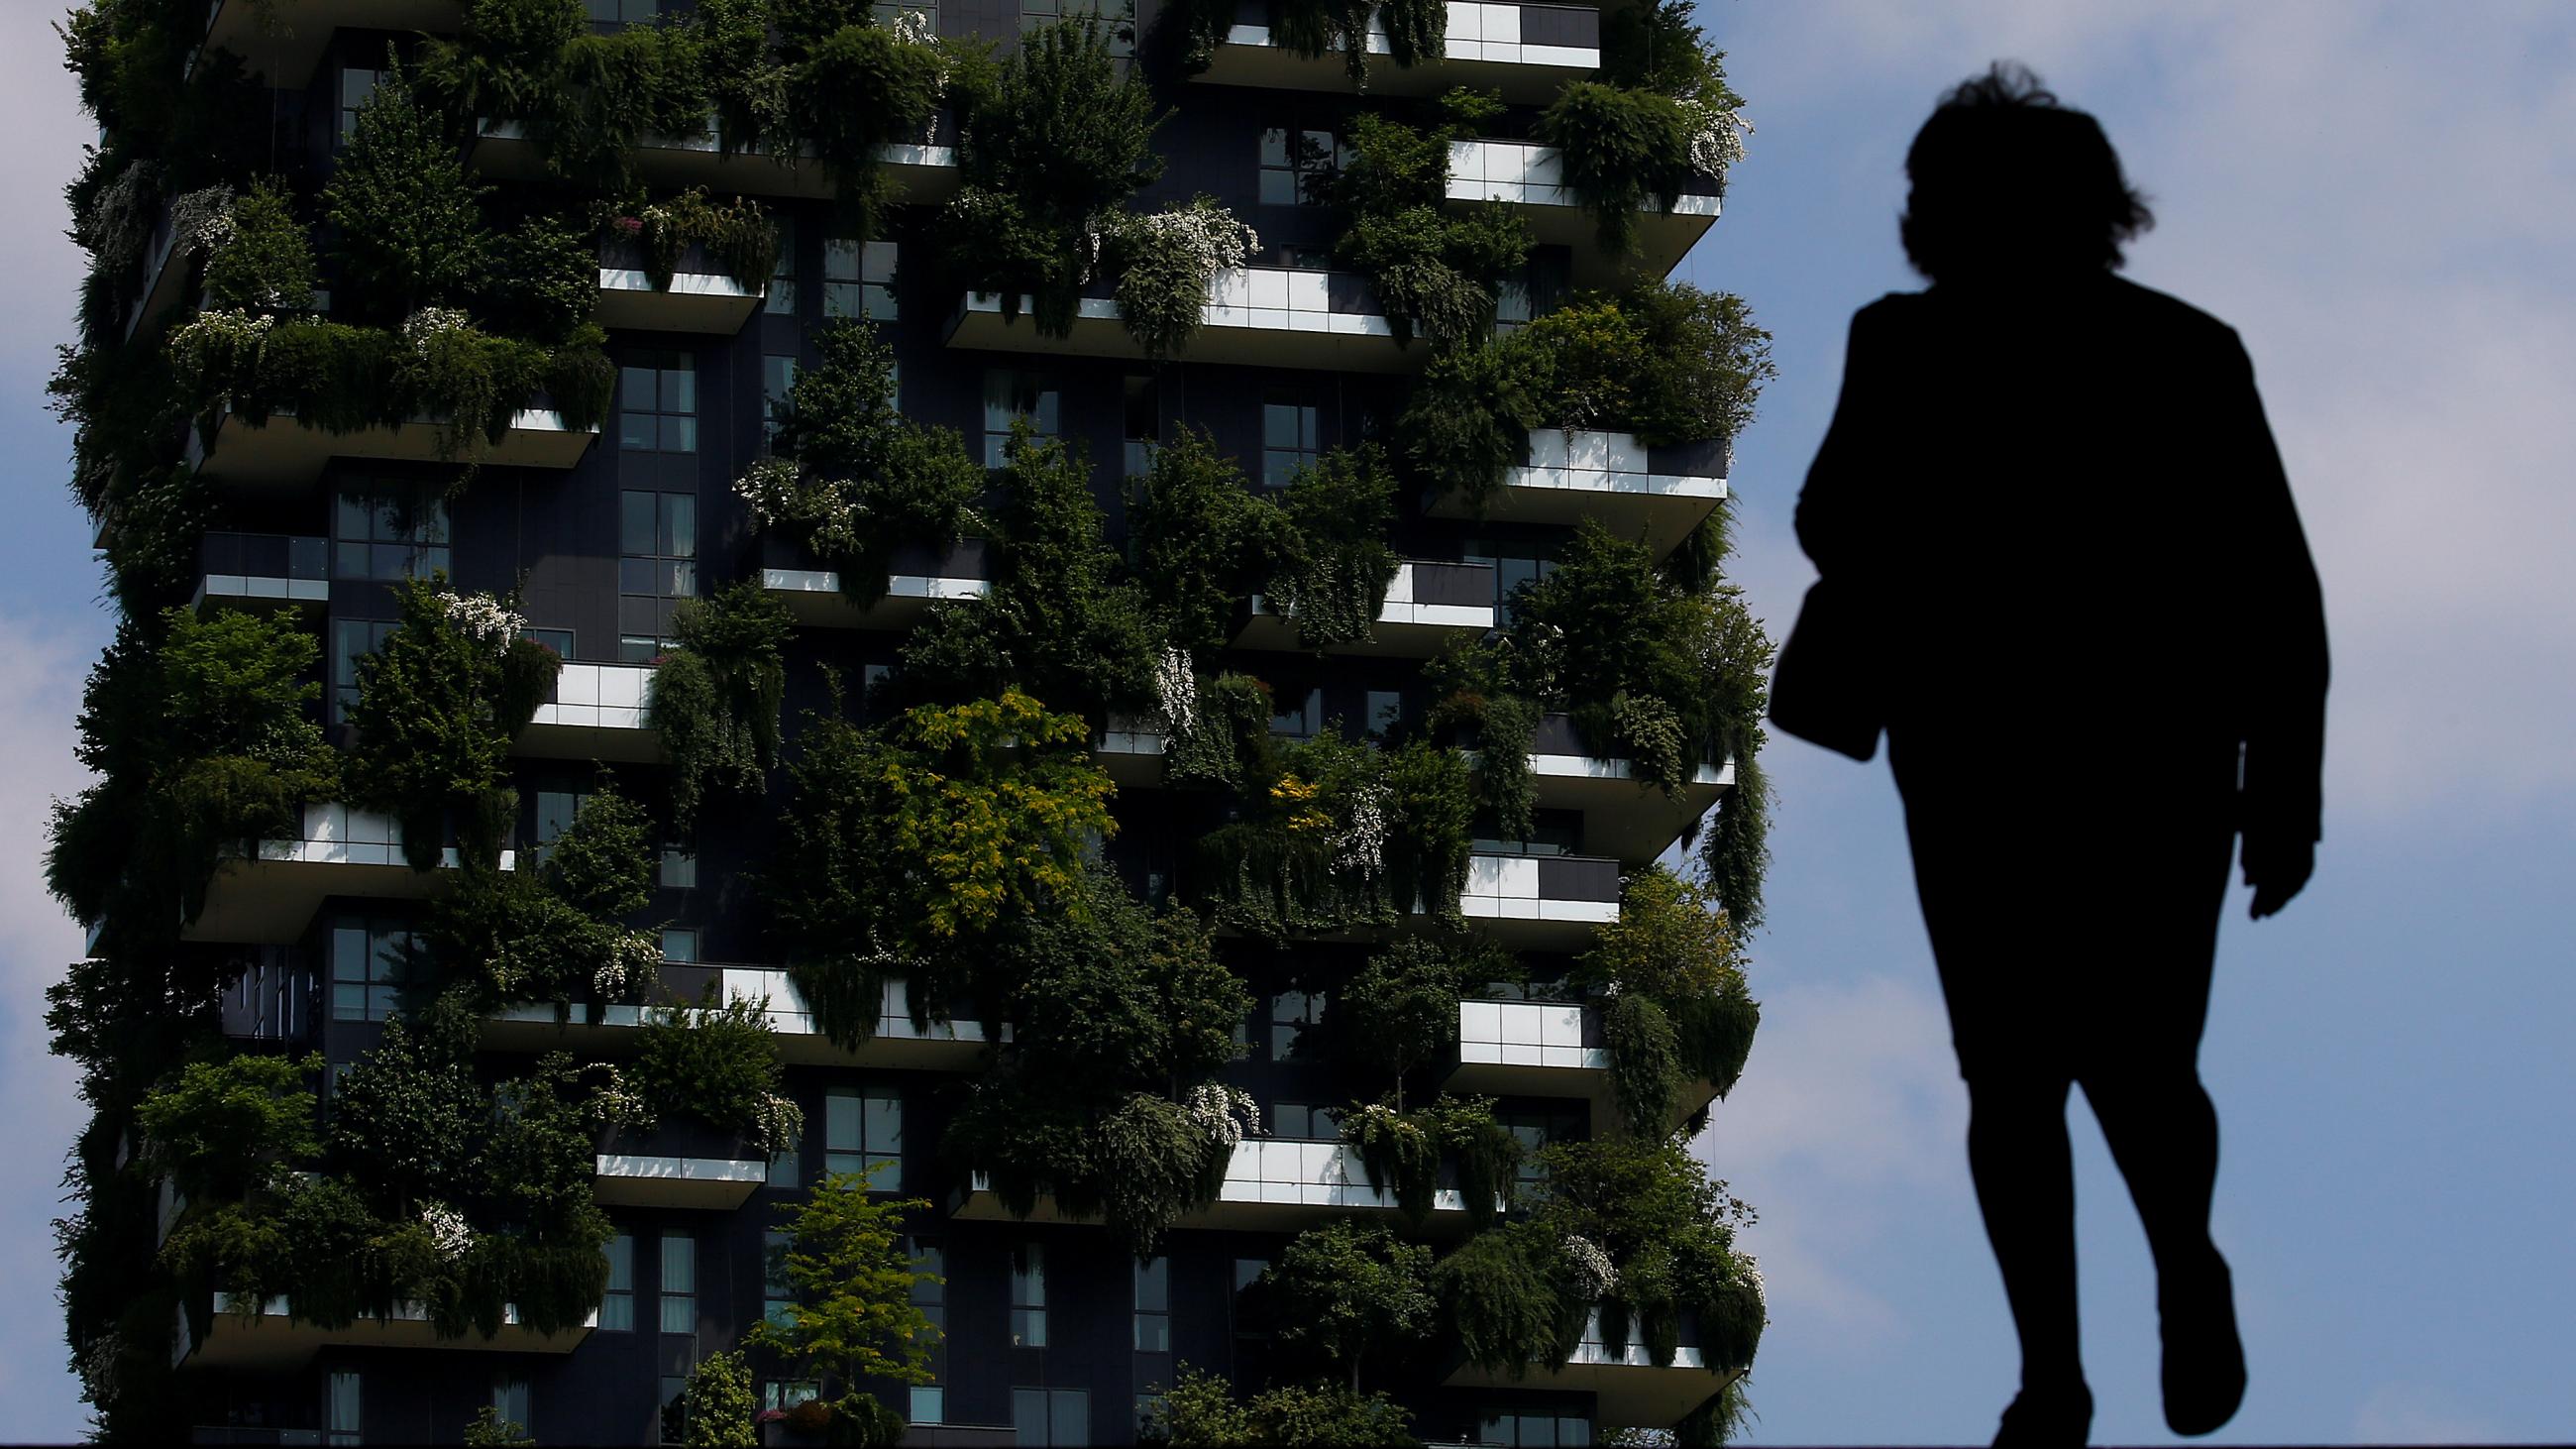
<point x="1524" y="51"/>
<point x="262" y="572"/>
<point x="1529" y="178"/>
<point x="1271" y="1185"/>
<point x="282" y="40"/>
<point x="1629" y="1389"/>
<point x="1540" y="902"/>
<point x="538" y="1026"/>
<point x="1659" y="493"/>
<point x="266" y="895"/>
<point x="166" y="274"/>
<point x="700" y="299"/>
<point x="1546" y="1049"/>
<point x="599" y="712"/>
<point x="1622" y="816"/>
<point x="916" y="578"/>
<point x="1255" y="316"/>
<point x="284" y="453"/>
<point x="273" y="1342"/>
<point x="919" y="173"/>
<point x="1429" y="607"/>
<point x="686" y="1166"/>
<point x="1131" y="752"/>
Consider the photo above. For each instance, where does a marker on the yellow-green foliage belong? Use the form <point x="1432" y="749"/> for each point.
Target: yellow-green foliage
<point x="854" y="1315"/>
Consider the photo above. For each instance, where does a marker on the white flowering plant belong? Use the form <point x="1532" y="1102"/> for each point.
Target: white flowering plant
<point x="482" y="618"/>
<point x="1226" y="1114"/>
<point x="1170" y="260"/>
<point x="448" y="1230"/>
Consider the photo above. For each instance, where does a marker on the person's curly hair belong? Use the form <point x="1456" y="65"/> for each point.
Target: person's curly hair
<point x="2006" y="180"/>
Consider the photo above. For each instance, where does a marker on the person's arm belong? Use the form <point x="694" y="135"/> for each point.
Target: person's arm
<point x="2284" y="647"/>
<point x="1835" y="516"/>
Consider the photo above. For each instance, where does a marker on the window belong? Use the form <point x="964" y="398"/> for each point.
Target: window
<point x="680" y="943"/>
<point x="777" y="1290"/>
<point x="785" y="1394"/>
<point x="1538" y="1431"/>
<point x="1385" y="713"/>
<point x="1301" y="1122"/>
<point x="782" y="278"/>
<point x="1514" y="564"/>
<point x="617" y="14"/>
<point x="787" y="1169"/>
<point x="1535" y="1131"/>
<point x="674" y="1415"/>
<point x="679" y="1283"/>
<point x="1051" y="1416"/>
<point x="930" y="1292"/>
<point x="1147" y="1407"/>
<point x="351" y="641"/>
<point x="1291" y="1014"/>
<point x="1552" y="832"/>
<point x="1119" y="31"/>
<point x="1011" y="395"/>
<point x="657" y="404"/>
<point x="858" y="279"/>
<point x="1028" y="1296"/>
<point x="558" y="640"/>
<point x="510" y="1400"/>
<point x="1154" y="1306"/>
<point x="863" y="1132"/>
<point x="929" y="1404"/>
<point x="1291" y="436"/>
<point x="357" y="87"/>
<point x="1143" y="423"/>
<point x="370" y="967"/>
<point x="777" y="379"/>
<point x="556" y="810"/>
<point x="656" y="567"/>
<point x="1296" y="716"/>
<point x="389" y="531"/>
<point x="617" y="1305"/>
<point x="1297" y="166"/>
<point x="679" y="868"/>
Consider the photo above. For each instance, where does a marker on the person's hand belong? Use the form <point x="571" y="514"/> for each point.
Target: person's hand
<point x="2277" y="870"/>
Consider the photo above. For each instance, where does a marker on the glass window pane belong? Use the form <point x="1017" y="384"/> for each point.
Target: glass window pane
<point x="1153" y="1333"/>
<point x="1069" y="1417"/>
<point x="679" y="435"/>
<point x="1153" y="1285"/>
<point x="636" y="385"/>
<point x="679" y="388"/>
<point x="840" y="259"/>
<point x="679" y="1312"/>
<point x="1029" y="1416"/>
<point x="1274" y="147"/>
<point x="635" y="522"/>
<point x="679" y="1263"/>
<point x="621" y="1263"/>
<point x="841" y="1120"/>
<point x="929" y="1404"/>
<point x="680" y="525"/>
<point x="635" y="575"/>
<point x="883" y="1123"/>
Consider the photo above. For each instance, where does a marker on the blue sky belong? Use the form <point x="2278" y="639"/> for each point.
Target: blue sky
<point x="2380" y="198"/>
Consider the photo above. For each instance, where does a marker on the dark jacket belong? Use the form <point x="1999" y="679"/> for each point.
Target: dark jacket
<point x="2060" y="513"/>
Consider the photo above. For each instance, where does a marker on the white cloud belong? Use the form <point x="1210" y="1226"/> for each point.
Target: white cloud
<point x="40" y="679"/>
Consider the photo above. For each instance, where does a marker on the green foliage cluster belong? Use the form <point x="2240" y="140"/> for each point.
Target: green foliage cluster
<point x="718" y="1063"/>
<point x="1402" y="1152"/>
<point x="1164" y="263"/>
<point x="437" y="710"/>
<point x="1118" y="1018"/>
<point x="488" y="1428"/>
<point x="1679" y="1009"/>
<point x="1200" y="1412"/>
<point x="1200" y="540"/>
<point x="203" y="740"/>
<point x="1659" y="116"/>
<point x="1049" y="157"/>
<point x="851" y="477"/>
<point x="1416" y="31"/>
<point x="739" y="237"/>
<point x="1477" y="703"/>
<point x="1224" y="742"/>
<point x="902" y="847"/>
<point x="1345" y="1297"/>
<point x="558" y="932"/>
<point x="853" y="1317"/>
<point x="432" y="1188"/>
<point x="1333" y="574"/>
<point x="717" y="1404"/>
<point x="778" y="77"/>
<point x="1057" y="621"/>
<point x="1337" y="836"/>
<point x="266" y="261"/>
<point x="227" y="1126"/>
<point x="1435" y="273"/>
<point x="716" y="697"/>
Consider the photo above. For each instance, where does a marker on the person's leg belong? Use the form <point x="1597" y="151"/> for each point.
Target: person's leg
<point x="2025" y="1178"/>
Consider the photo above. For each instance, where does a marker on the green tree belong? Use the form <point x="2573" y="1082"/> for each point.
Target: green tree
<point x="1399" y="1011"/>
<point x="717" y="1405"/>
<point x="226" y="1126"/>
<point x="717" y="696"/>
<point x="1199" y="540"/>
<point x="491" y="1431"/>
<point x="854" y="1317"/>
<point x="1199" y="1411"/>
<point x="1351" y="1295"/>
<point x="267" y="262"/>
<point x="410" y="221"/>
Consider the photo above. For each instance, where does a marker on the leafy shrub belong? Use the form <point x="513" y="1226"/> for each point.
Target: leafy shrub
<point x="266" y="259"/>
<point x="1399" y="1011"/>
<point x="489" y="1428"/>
<point x="1349" y="1296"/>
<point x="226" y="1126"/>
<point x="1166" y="262"/>
<point x="738" y="237"/>
<point x="716" y="697"/>
<point x="1507" y="1297"/>
<point x="437" y="709"/>
<point x="853" y="479"/>
<point x="1478" y="703"/>
<point x="717" y="1404"/>
<point x="847" y="1261"/>
<point x="1337" y="566"/>
<point x="409" y="220"/>
<point x="1200" y="1412"/>
<point x="1199" y="541"/>
<point x="1665" y="361"/>
<point x="901" y="847"/>
<point x="1224" y="741"/>
<point x="1666" y="1232"/>
<point x="1434" y="273"/>
<point x="1465" y="427"/>
<point x="1623" y="150"/>
<point x="719" y="1064"/>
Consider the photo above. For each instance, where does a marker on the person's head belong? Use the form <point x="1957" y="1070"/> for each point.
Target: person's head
<point x="2007" y="183"/>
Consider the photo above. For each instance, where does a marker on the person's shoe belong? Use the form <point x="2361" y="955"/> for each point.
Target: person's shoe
<point x="2047" y="1419"/>
<point x="2204" y="1373"/>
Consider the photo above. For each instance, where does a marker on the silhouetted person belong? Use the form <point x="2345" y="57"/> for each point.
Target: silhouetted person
<point x="2061" y="567"/>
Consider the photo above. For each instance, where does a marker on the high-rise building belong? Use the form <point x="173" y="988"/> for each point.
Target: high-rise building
<point x="1084" y="628"/>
